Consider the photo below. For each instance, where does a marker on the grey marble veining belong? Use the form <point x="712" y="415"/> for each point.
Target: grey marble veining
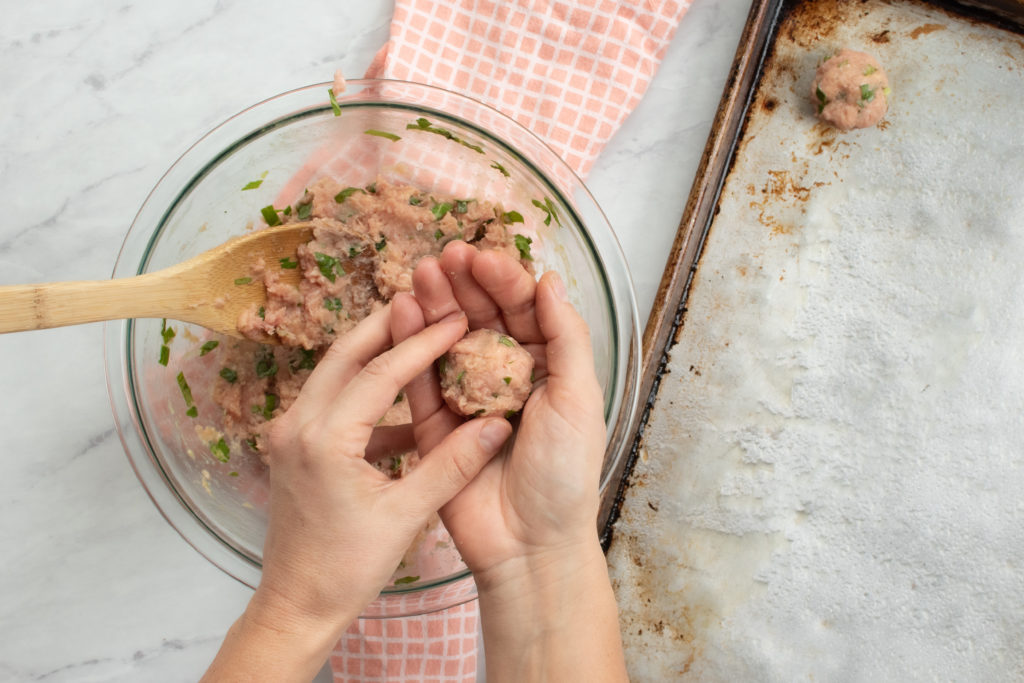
<point x="96" y="101"/>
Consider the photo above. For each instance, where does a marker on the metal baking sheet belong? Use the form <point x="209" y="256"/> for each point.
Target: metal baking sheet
<point x="825" y="478"/>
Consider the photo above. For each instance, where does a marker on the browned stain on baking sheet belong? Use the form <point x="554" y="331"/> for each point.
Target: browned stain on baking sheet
<point x="925" y="29"/>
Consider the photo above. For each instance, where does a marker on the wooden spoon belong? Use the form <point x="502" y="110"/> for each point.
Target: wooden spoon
<point x="202" y="290"/>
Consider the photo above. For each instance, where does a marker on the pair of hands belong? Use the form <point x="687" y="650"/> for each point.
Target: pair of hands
<point x="339" y="527"/>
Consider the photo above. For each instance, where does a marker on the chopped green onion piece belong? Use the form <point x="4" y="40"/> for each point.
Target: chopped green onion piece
<point x="415" y="200"/>
<point x="372" y="188"/>
<point x="383" y="134"/>
<point x="208" y="346"/>
<point x="346" y="193"/>
<point x="192" y="412"/>
<point x="407" y="579"/>
<point x="305" y="361"/>
<point x="500" y="168"/>
<point x="868" y="70"/>
<point x="269" y="403"/>
<point x="506" y="380"/>
<point x="334" y="102"/>
<point x="886" y="91"/>
<point x="304" y="211"/>
<point x="232" y="474"/>
<point x="461" y="205"/>
<point x="288" y="263"/>
<point x="186" y="392"/>
<point x="439" y="210"/>
<point x="252" y="185"/>
<point x="243" y="280"/>
<point x="866" y="93"/>
<point x="329" y="266"/>
<point x="512" y="217"/>
<point x="822" y="99"/>
<point x="270" y="215"/>
<point x="266" y="366"/>
<point x="478" y="413"/>
<point x="509" y="414"/>
<point x="462" y="376"/>
<point x="333" y="304"/>
<point x="228" y="374"/>
<point x="506" y="341"/>
<point x="165" y="355"/>
<point x="383" y="243"/>
<point x="523" y="245"/>
<point x="287" y="210"/>
<point x="220" y="450"/>
<point x="166" y="332"/>
<point x="438" y="234"/>
<point x="262" y="313"/>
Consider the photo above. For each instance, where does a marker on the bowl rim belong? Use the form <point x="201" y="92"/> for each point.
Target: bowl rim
<point x="118" y="343"/>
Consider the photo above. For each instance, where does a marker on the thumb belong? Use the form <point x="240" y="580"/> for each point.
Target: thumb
<point x="455" y="461"/>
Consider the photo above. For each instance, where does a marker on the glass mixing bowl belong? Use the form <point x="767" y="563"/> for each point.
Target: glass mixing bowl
<point x="439" y="141"/>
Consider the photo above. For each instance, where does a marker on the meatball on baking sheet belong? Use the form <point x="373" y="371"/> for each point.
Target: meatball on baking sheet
<point x="829" y="484"/>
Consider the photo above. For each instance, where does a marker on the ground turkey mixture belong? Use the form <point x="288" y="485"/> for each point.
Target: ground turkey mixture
<point x="367" y="241"/>
<point x="850" y="90"/>
<point x="486" y="373"/>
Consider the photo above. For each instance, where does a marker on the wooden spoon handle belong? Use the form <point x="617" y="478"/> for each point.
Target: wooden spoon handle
<point x="54" y="304"/>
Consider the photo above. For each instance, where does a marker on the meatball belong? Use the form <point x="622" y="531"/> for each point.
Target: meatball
<point x="851" y="90"/>
<point x="486" y="373"/>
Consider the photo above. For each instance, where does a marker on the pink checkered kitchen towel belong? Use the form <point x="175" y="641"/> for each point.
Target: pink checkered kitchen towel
<point x="569" y="71"/>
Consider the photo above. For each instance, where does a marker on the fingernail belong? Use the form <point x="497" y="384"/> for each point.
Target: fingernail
<point x="494" y="434"/>
<point x="453" y="316"/>
<point x="558" y="287"/>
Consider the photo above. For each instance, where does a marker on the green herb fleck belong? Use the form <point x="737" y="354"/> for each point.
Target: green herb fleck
<point x="346" y="193"/>
<point x="886" y="91"/>
<point x="461" y="205"/>
<point x="288" y="263"/>
<point x="438" y="234"/>
<point x="383" y="134"/>
<point x="372" y="188"/>
<point x="398" y="398"/>
<point x="509" y="414"/>
<point x="425" y="125"/>
<point x="334" y="102"/>
<point x="228" y="374"/>
<point x="500" y="168"/>
<point x="440" y="210"/>
<point x="287" y="210"/>
<point x="866" y="93"/>
<point x="549" y="210"/>
<point x="415" y="200"/>
<point x="332" y="304"/>
<point x="462" y="376"/>
<point x="270" y="216"/>
<point x="506" y="341"/>
<point x="523" y="245"/>
<point x="407" y="579"/>
<point x="262" y="313"/>
<point x="192" y="412"/>
<point x="252" y="185"/>
<point x="232" y="474"/>
<point x="506" y="380"/>
<point x="330" y="267"/>
<point x="511" y="217"/>
<point x="243" y="280"/>
<point x="822" y="99"/>
<point x="208" y="346"/>
<point x="305" y="210"/>
<point x="220" y="450"/>
<point x="165" y="355"/>
<point x="478" y="413"/>
<point x="442" y="364"/>
<point x="383" y="243"/>
<point x="868" y="70"/>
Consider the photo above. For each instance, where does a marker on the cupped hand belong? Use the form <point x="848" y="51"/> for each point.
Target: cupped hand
<point x="338" y="527"/>
<point x="540" y="498"/>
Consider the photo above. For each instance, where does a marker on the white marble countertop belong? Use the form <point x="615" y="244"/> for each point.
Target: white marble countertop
<point x="96" y="101"/>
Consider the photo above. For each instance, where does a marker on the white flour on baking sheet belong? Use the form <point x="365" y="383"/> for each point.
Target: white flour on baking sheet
<point x="832" y="480"/>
